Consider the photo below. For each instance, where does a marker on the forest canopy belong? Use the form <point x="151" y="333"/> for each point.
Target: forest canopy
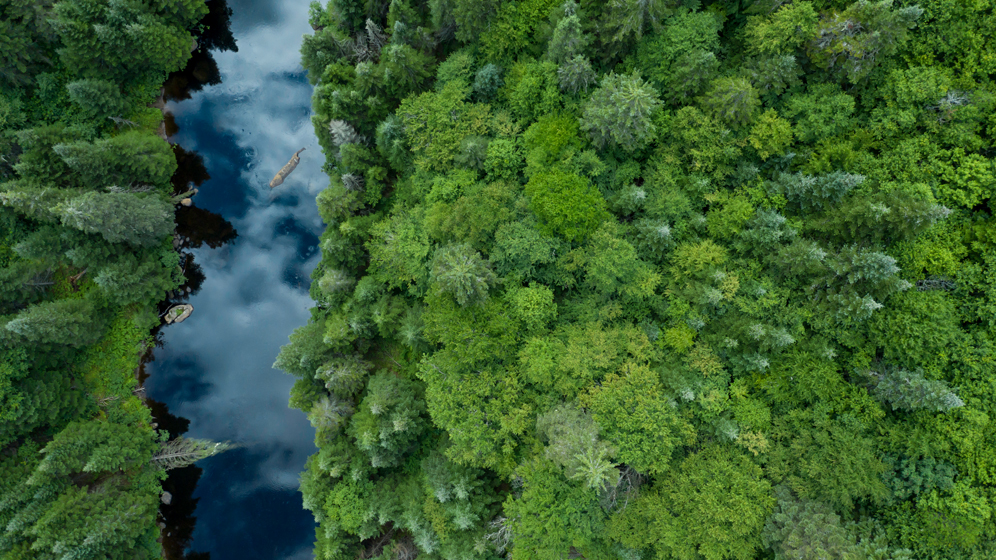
<point x="652" y="279"/>
<point x="86" y="254"/>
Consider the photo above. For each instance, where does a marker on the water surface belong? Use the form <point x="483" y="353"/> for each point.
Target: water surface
<point x="250" y="290"/>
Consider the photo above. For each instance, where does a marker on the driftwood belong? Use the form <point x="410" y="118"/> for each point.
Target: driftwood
<point x="278" y="179"/>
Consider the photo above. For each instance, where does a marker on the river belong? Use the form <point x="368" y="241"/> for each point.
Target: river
<point x="249" y="290"/>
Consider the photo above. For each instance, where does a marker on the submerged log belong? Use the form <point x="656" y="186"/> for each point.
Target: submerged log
<point x="278" y="179"/>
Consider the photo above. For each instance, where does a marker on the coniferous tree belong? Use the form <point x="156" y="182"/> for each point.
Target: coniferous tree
<point x="619" y="111"/>
<point x="734" y="101"/>
<point x="344" y="376"/>
<point x="487" y="82"/>
<point x="98" y="97"/>
<point x="133" y="158"/>
<point x="805" y="530"/>
<point x="689" y="76"/>
<point x="181" y="452"/>
<point x="628" y="18"/>
<point x="568" y="39"/>
<point x="119" y="217"/>
<point x="909" y="390"/>
<point x="25" y="34"/>
<point x="852" y="41"/>
<point x="461" y="272"/>
<point x="817" y="192"/>
<point x="70" y="322"/>
<point x="576" y="75"/>
<point x="388" y="421"/>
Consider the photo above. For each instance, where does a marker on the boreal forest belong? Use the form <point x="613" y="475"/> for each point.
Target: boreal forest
<point x="87" y="258"/>
<point x="653" y="279"/>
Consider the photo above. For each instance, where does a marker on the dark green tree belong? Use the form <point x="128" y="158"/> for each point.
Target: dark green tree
<point x="100" y="98"/>
<point x="460" y="271"/>
<point x="70" y="322"/>
<point x="119" y="217"/>
<point x="619" y="112"/>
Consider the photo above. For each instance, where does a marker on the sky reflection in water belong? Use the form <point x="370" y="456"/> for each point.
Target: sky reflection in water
<point x="215" y="368"/>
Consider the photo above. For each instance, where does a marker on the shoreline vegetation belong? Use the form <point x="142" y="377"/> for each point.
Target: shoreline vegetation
<point x="89" y="254"/>
<point x="652" y="280"/>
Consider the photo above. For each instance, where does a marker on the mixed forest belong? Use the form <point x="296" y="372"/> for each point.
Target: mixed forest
<point x="87" y="252"/>
<point x="653" y="279"/>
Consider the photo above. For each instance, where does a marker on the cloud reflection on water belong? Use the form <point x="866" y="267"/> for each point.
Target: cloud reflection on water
<point x="215" y="368"/>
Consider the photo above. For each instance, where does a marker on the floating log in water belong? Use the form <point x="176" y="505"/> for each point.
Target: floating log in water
<point x="278" y="179"/>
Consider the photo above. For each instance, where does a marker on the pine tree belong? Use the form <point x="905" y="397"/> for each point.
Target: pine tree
<point x="630" y="18"/>
<point x="460" y="271"/>
<point x="344" y="376"/>
<point x="487" y="82"/>
<point x="853" y="42"/>
<point x="568" y="39"/>
<point x="122" y="161"/>
<point x="122" y="40"/>
<point x="328" y="415"/>
<point x="885" y="217"/>
<point x="906" y="390"/>
<point x="25" y="36"/>
<point x="654" y="239"/>
<point x="389" y="420"/>
<point x="909" y="477"/>
<point x="573" y="444"/>
<point x="306" y="352"/>
<point x="473" y="152"/>
<point x="801" y="529"/>
<point x="619" y="112"/>
<point x="391" y="143"/>
<point x="99" y="98"/>
<point x="343" y="133"/>
<point x="406" y="69"/>
<point x="94" y="447"/>
<point x="120" y="217"/>
<point x="576" y="75"/>
<point x="771" y="76"/>
<point x="336" y="281"/>
<point x="734" y="101"/>
<point x="767" y="230"/>
<point x="689" y="76"/>
<point x="37" y="203"/>
<point x="141" y="278"/>
<point x="820" y="192"/>
<point x="38" y="163"/>
<point x="69" y="322"/>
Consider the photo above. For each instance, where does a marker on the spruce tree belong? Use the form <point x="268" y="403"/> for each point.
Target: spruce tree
<point x="119" y="217"/>
<point x="568" y="38"/>
<point x="576" y="75"/>
<point x="124" y="161"/>
<point x="460" y="271"/>
<point x="69" y="322"/>
<point x="905" y="390"/>
<point x="619" y="112"/>
<point x="99" y="98"/>
<point x="802" y="529"/>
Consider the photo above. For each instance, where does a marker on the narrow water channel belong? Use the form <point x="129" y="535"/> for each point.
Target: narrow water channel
<point x="214" y="369"/>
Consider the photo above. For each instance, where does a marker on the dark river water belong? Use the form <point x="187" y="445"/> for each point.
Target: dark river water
<point x="248" y="251"/>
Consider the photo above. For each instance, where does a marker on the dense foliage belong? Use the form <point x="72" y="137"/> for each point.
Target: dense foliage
<point x="86" y="253"/>
<point x="653" y="279"/>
